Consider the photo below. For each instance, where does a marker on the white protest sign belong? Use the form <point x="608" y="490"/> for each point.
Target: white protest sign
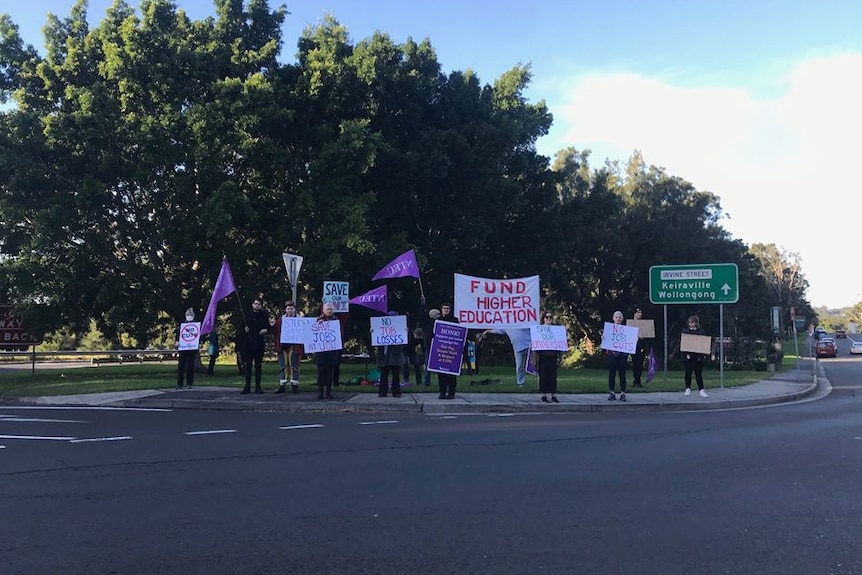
<point x="338" y="294"/>
<point x="496" y="303"/>
<point x="291" y="328"/>
<point x="620" y="338"/>
<point x="548" y="338"/>
<point x="190" y="335"/>
<point x="321" y="335"/>
<point x="389" y="330"/>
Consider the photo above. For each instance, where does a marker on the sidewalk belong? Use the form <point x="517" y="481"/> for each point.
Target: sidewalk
<point x="780" y="388"/>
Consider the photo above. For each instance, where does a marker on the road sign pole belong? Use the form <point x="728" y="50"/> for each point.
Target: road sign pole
<point x="721" y="345"/>
<point x="665" y="344"/>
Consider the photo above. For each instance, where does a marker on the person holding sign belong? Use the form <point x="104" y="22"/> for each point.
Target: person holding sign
<point x="520" y="340"/>
<point x="390" y="358"/>
<point x="548" y="360"/>
<point x="327" y="361"/>
<point x="643" y="347"/>
<point x="693" y="360"/>
<point x="617" y="365"/>
<point x="447" y="382"/>
<point x="188" y="339"/>
<point x="288" y="347"/>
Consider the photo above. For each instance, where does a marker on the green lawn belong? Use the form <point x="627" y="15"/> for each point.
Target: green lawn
<point x="163" y="376"/>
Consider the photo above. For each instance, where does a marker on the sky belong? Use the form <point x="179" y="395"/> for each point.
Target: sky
<point x="756" y="101"/>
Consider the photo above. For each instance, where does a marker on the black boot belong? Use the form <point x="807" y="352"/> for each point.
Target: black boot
<point x="328" y="392"/>
<point x="245" y="390"/>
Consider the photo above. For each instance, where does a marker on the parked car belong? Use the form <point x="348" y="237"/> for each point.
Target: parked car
<point x="856" y="347"/>
<point x="826" y="348"/>
<point x="840" y="334"/>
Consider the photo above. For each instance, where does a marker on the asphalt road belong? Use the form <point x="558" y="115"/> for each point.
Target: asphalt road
<point x="767" y="491"/>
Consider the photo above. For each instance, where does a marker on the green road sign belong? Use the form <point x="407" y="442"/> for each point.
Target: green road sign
<point x="694" y="283"/>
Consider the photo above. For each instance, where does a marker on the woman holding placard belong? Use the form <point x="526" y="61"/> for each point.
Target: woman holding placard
<point x="547" y="367"/>
<point x="390" y="358"/>
<point x="617" y="364"/>
<point x="694" y="361"/>
<point x="327" y="361"/>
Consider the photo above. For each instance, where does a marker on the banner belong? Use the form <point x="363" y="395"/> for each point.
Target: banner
<point x="321" y="335"/>
<point x="338" y="294"/>
<point x="696" y="343"/>
<point x="621" y="338"/>
<point x="548" y="338"/>
<point x="389" y="330"/>
<point x="223" y="288"/>
<point x="403" y="266"/>
<point x="447" y="348"/>
<point x="482" y="303"/>
<point x="376" y="299"/>
<point x="190" y="336"/>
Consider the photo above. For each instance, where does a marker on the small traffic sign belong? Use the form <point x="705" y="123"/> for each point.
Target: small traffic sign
<point x="694" y="283"/>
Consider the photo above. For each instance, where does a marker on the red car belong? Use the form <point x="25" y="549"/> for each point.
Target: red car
<point x="826" y="349"/>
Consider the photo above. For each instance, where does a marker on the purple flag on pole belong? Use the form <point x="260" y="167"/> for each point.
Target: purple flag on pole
<point x="376" y="299"/>
<point x="223" y="288"/>
<point x="403" y="266"/>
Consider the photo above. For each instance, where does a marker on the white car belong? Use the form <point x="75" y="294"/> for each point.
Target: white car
<point x="856" y="347"/>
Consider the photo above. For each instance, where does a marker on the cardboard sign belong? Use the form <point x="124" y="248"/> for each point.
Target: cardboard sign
<point x="620" y="338"/>
<point x="646" y="327"/>
<point x="190" y="336"/>
<point x="548" y="338"/>
<point x="338" y="294"/>
<point x="696" y="343"/>
<point x="321" y="336"/>
<point x="291" y="328"/>
<point x="447" y="348"/>
<point x="389" y="330"/>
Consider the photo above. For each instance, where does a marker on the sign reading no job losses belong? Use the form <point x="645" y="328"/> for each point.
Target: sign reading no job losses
<point x="694" y="283"/>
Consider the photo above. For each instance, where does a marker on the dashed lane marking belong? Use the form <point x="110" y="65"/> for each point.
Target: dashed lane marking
<point x="95" y="439"/>
<point x="309" y="426"/>
<point x="211" y="432"/>
<point x="15" y="419"/>
<point x="83" y="408"/>
<point x="386" y="422"/>
<point x="36" y="437"/>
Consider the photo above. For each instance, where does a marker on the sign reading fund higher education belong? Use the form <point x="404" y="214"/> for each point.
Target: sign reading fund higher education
<point x="482" y="303"/>
<point x="694" y="283"/>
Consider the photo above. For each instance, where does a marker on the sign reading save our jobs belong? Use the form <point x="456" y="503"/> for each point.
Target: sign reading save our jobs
<point x="694" y="283"/>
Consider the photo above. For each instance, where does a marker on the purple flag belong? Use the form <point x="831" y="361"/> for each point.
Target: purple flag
<point x="403" y="266"/>
<point x="376" y="299"/>
<point x="652" y="366"/>
<point x="223" y="288"/>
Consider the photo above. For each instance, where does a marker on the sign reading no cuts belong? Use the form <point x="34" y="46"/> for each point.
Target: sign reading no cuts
<point x="694" y="283"/>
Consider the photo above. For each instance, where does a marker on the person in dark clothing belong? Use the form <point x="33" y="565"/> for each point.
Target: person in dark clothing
<point x="617" y="365"/>
<point x="257" y="326"/>
<point x="641" y="351"/>
<point x="187" y="357"/>
<point x="411" y="357"/>
<point x="327" y="361"/>
<point x="548" y="361"/>
<point x="238" y="340"/>
<point x="694" y="361"/>
<point x="427" y="335"/>
<point x="212" y="351"/>
<point x="390" y="359"/>
<point x="446" y="381"/>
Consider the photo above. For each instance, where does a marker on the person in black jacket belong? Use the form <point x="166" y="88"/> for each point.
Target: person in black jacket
<point x="446" y="381"/>
<point x="327" y="361"/>
<point x="694" y="361"/>
<point x="257" y="326"/>
<point x="187" y="358"/>
<point x="641" y="352"/>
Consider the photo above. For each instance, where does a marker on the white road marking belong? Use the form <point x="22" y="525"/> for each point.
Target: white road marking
<point x="501" y="415"/>
<point x="378" y="422"/>
<point x="2" y="447"/>
<point x="211" y="432"/>
<point x="37" y="437"/>
<point x="309" y="426"/>
<point x="120" y="438"/>
<point x="37" y="420"/>
<point x="85" y="408"/>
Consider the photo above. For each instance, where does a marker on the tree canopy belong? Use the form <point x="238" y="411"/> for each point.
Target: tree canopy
<point x="136" y="154"/>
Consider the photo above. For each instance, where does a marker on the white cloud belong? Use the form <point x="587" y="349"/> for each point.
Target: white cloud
<point x="782" y="166"/>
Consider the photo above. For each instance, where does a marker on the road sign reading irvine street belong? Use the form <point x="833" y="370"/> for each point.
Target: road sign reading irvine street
<point x="694" y="283"/>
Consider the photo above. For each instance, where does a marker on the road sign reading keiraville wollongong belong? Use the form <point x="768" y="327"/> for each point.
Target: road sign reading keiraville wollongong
<point x="694" y="283"/>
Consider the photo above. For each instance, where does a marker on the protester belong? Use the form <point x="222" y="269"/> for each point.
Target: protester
<point x="617" y="365"/>
<point x="410" y="355"/>
<point x="641" y="351"/>
<point x="390" y="358"/>
<point x="212" y="351"/>
<point x="694" y="361"/>
<point x="447" y="381"/>
<point x="186" y="358"/>
<point x="257" y="326"/>
<point x="548" y="360"/>
<point x="427" y="336"/>
<point x="327" y="361"/>
<point x="289" y="354"/>
<point x="520" y="339"/>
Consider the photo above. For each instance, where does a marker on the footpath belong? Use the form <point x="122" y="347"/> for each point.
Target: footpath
<point x="782" y="387"/>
